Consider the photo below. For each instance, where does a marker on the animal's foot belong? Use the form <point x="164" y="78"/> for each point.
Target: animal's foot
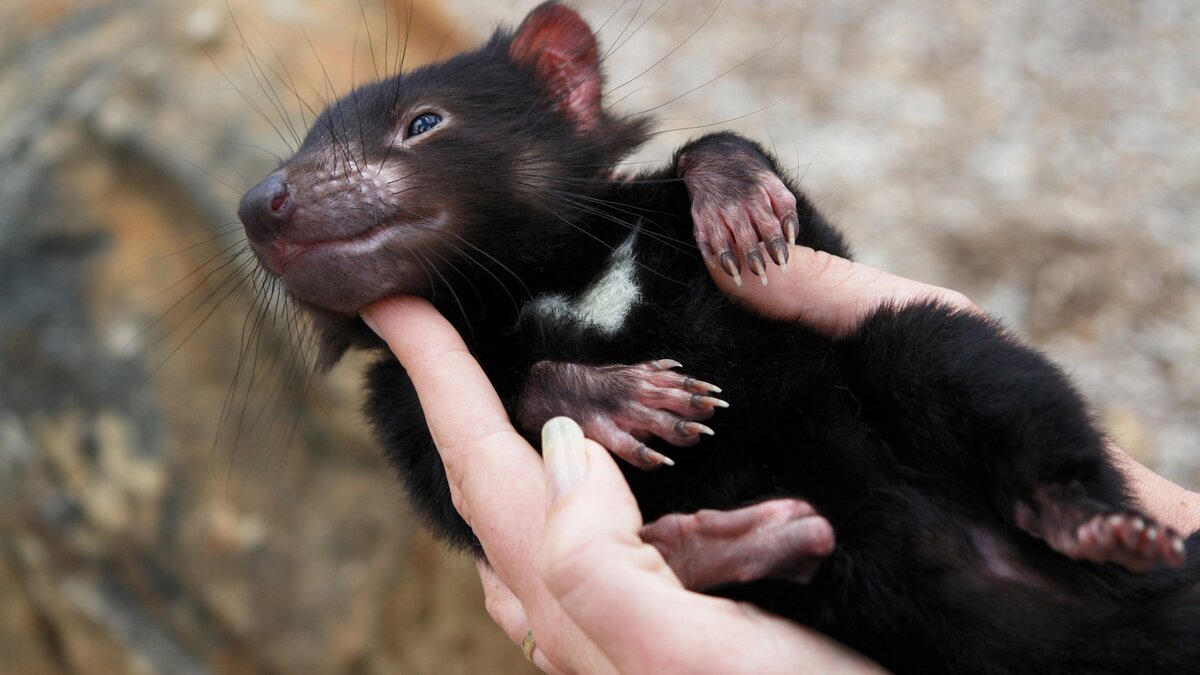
<point x="777" y="539"/>
<point x="737" y="202"/>
<point x="621" y="407"/>
<point x="1127" y="539"/>
<point x="1087" y="531"/>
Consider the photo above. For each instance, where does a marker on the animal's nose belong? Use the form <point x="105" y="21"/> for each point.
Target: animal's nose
<point x="266" y="208"/>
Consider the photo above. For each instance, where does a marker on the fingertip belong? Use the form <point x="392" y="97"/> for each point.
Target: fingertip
<point x="385" y="313"/>
<point x="412" y="328"/>
<point x="776" y="291"/>
<point x="565" y="456"/>
<point x="831" y="294"/>
<point x="590" y="500"/>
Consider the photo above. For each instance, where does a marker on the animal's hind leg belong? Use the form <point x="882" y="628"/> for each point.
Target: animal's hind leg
<point x="960" y="401"/>
<point x="1084" y="529"/>
<point x="777" y="539"/>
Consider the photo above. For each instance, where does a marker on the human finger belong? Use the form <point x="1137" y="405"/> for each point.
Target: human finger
<point x="495" y="476"/>
<point x="460" y="405"/>
<point x="830" y="293"/>
<point x="1170" y="503"/>
<point x="506" y="610"/>
<point x="501" y="604"/>
<point x="622" y="594"/>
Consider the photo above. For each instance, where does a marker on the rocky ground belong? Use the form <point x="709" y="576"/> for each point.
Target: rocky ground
<point x="143" y="529"/>
<point x="1043" y="157"/>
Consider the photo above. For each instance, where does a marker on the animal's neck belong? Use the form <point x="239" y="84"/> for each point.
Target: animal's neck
<point x="488" y="297"/>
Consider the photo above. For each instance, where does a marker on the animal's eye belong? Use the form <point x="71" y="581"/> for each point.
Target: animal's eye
<point x="423" y="123"/>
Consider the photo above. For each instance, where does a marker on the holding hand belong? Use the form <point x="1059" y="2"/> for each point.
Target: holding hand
<point x="577" y="575"/>
<point x="574" y="583"/>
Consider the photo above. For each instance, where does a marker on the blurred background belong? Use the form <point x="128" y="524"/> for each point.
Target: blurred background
<point x="179" y="495"/>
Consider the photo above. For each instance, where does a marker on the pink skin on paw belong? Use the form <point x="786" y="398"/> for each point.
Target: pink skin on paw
<point x="1135" y="542"/>
<point x="738" y="202"/>
<point x="662" y="403"/>
<point x="623" y="406"/>
<point x="1129" y="541"/>
<point x="777" y="539"/>
<point x="664" y="388"/>
<point x="730" y="231"/>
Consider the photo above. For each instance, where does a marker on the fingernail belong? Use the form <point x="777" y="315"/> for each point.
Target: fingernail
<point x="564" y="455"/>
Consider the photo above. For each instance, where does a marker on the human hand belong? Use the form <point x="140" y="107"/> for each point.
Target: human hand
<point x="829" y="293"/>
<point x="833" y="295"/>
<point x="597" y="598"/>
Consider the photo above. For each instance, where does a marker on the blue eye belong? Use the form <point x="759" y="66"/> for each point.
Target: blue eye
<point x="423" y="123"/>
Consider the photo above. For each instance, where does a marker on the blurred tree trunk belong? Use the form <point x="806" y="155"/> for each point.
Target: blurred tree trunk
<point x="178" y="494"/>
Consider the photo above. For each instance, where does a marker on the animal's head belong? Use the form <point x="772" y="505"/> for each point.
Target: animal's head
<point x="461" y="168"/>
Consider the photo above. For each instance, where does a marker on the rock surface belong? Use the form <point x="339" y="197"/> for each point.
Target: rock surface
<point x="179" y="495"/>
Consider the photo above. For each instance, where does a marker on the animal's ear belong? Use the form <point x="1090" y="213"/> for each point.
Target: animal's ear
<point x="560" y="47"/>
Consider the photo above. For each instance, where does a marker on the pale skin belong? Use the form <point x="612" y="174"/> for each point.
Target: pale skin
<point x="561" y="531"/>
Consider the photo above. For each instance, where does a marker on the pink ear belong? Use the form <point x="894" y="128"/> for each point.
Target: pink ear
<point x="561" y="49"/>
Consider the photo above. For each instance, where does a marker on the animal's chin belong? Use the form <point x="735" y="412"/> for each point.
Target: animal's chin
<point x="346" y="275"/>
<point x="328" y="282"/>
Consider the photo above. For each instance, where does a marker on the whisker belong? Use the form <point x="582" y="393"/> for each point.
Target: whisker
<point x="669" y="53"/>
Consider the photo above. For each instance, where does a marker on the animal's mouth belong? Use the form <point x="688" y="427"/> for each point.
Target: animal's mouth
<point x="282" y="256"/>
<point x="346" y="274"/>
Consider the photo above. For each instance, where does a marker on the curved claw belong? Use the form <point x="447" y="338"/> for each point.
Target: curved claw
<point x="694" y="429"/>
<point x="698" y="401"/>
<point x="623" y="406"/>
<point x="729" y="263"/>
<point x="754" y="261"/>
<point x="652" y="458"/>
<point x="738" y="203"/>
<point x="779" y="251"/>
<point x="791" y="227"/>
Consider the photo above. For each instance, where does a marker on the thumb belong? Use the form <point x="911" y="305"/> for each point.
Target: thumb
<point x="613" y="586"/>
<point x="621" y="593"/>
<point x="828" y="293"/>
<point x="593" y="517"/>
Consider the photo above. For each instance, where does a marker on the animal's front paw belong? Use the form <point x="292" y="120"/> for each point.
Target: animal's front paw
<point x="1086" y="531"/>
<point x="623" y="406"/>
<point x="651" y="400"/>
<point x="737" y="202"/>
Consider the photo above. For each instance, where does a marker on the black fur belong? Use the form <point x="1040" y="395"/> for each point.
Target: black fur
<point x="915" y="436"/>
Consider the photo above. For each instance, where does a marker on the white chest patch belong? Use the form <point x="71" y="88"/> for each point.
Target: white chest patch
<point x="605" y="303"/>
